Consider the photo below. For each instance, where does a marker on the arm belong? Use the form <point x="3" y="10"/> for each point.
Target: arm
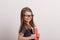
<point x="20" y="37"/>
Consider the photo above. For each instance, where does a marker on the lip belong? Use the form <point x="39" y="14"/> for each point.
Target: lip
<point x="27" y="19"/>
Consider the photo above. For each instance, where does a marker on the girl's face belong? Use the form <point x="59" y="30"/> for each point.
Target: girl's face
<point x="27" y="16"/>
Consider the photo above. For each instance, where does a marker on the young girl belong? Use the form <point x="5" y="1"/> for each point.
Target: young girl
<point x="26" y="31"/>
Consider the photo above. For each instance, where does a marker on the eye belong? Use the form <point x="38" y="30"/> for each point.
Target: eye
<point x="28" y="15"/>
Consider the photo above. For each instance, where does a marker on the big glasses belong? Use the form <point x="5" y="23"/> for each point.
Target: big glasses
<point x="28" y="15"/>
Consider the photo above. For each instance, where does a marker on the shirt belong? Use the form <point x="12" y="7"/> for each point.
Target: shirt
<point x="27" y="32"/>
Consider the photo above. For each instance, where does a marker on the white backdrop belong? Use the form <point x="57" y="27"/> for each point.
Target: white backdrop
<point x="46" y="17"/>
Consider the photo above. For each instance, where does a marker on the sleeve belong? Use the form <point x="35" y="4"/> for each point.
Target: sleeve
<point x="22" y="29"/>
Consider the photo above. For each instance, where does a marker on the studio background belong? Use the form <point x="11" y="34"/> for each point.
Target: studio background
<point x="46" y="17"/>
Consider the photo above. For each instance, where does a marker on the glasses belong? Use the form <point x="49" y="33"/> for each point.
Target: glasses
<point x="28" y="15"/>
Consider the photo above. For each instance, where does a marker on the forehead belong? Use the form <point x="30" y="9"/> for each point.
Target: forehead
<point x="27" y="13"/>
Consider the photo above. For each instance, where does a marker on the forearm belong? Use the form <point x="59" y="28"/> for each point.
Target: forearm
<point x="24" y="38"/>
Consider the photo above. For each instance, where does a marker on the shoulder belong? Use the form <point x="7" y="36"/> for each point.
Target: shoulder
<point x="22" y="29"/>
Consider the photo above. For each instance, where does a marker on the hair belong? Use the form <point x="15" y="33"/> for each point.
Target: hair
<point x="22" y="15"/>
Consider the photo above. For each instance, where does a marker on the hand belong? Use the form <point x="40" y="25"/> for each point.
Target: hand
<point x="38" y="35"/>
<point x="33" y="36"/>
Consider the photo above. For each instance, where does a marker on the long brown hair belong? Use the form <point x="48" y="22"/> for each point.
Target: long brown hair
<point x="22" y="15"/>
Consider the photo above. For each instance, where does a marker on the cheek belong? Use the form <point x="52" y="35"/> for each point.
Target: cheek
<point x="25" y="18"/>
<point x="31" y="18"/>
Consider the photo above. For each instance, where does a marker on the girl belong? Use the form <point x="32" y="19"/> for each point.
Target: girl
<point x="27" y="25"/>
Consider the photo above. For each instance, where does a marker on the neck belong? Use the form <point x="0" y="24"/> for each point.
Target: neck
<point x="27" y="23"/>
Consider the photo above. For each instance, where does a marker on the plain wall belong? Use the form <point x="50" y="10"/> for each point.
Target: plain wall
<point x="46" y="17"/>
